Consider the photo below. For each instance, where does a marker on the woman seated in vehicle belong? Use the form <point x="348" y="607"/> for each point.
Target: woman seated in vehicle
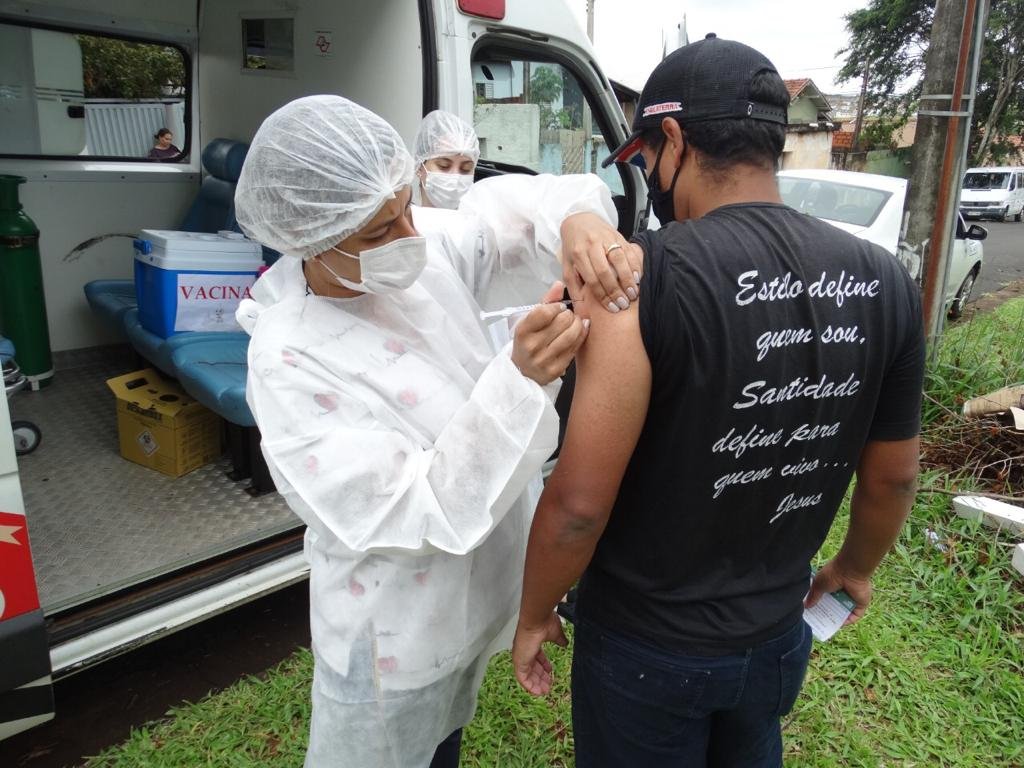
<point x="394" y="429"/>
<point x="164" y="148"/>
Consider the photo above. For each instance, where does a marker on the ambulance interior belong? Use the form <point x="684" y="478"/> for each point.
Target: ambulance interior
<point x="84" y="86"/>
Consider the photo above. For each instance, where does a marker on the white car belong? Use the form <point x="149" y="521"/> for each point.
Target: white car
<point x="871" y="207"/>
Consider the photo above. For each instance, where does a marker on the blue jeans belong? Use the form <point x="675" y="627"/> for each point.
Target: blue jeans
<point x="637" y="705"/>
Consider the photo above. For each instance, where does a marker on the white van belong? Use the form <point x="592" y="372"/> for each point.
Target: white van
<point x="122" y="555"/>
<point x="993" y="193"/>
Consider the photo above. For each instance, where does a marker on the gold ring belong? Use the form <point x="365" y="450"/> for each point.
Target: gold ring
<point x="609" y="248"/>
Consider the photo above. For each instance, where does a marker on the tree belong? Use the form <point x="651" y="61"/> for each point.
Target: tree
<point x="118" y="69"/>
<point x="892" y="37"/>
<point x="1000" y="82"/>
<point x="546" y="86"/>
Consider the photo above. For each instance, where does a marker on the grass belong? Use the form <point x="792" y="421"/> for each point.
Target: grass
<point x="978" y="355"/>
<point x="934" y="676"/>
<point x="258" y="721"/>
<point x="975" y="358"/>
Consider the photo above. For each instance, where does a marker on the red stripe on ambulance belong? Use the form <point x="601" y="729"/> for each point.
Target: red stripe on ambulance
<point x="18" y="593"/>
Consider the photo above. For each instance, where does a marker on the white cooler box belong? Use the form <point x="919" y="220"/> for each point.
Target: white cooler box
<point x="193" y="281"/>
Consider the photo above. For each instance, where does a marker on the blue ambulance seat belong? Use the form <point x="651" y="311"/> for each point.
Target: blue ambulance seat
<point x="160" y="351"/>
<point x="111" y="299"/>
<point x="214" y="371"/>
<point x="214" y="206"/>
<point x="212" y="210"/>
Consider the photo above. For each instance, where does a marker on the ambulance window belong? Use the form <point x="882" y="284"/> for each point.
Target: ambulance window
<point x="65" y="94"/>
<point x="268" y="45"/>
<point x="536" y="114"/>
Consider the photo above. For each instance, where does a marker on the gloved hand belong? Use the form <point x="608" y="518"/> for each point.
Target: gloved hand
<point x="546" y="340"/>
<point x="595" y="257"/>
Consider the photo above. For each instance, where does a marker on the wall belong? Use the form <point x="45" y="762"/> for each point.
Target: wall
<point x="564" y="151"/>
<point x="803" y="111"/>
<point x="374" y="59"/>
<point x="509" y="133"/>
<point x="609" y="175"/>
<point x="882" y="161"/>
<point x="907" y="134"/>
<point x="127" y="129"/>
<point x="628" y="110"/>
<point x="811" y="149"/>
<point x="68" y="213"/>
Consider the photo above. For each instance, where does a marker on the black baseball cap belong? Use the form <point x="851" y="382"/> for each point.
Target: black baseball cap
<point x="706" y="80"/>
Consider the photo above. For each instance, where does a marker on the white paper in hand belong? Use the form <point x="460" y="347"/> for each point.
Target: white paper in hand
<point x="828" y="614"/>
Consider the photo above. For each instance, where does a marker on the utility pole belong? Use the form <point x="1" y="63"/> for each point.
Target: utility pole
<point x="942" y="129"/>
<point x="860" y="107"/>
<point x="589" y="148"/>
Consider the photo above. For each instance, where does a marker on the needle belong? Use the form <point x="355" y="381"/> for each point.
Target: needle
<point x="510" y="311"/>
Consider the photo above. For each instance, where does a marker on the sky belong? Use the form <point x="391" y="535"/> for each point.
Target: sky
<point x="800" y="37"/>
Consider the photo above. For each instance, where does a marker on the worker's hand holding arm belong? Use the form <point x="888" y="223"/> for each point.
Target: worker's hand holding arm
<point x="531" y="217"/>
<point x="608" y="412"/>
<point x="598" y="262"/>
<point x="882" y="499"/>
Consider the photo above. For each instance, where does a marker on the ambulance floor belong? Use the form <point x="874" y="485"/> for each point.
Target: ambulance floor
<point x="98" y="522"/>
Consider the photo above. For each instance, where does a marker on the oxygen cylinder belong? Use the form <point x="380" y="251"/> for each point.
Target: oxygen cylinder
<point x="22" y="304"/>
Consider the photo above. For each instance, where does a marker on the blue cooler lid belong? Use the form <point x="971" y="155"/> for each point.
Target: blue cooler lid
<point x="198" y="251"/>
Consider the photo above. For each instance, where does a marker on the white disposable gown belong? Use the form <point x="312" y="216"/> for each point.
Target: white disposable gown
<point x="412" y="450"/>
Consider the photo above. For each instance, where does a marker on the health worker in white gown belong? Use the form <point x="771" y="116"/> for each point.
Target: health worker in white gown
<point x="445" y="153"/>
<point x="393" y="427"/>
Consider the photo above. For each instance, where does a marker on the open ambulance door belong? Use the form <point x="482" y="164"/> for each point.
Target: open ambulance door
<point x="26" y="690"/>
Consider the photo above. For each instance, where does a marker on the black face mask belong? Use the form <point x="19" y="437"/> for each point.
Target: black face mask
<point x="662" y="202"/>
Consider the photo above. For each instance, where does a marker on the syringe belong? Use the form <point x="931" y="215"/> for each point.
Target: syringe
<point x="499" y="314"/>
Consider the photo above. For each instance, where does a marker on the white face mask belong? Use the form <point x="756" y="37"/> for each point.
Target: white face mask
<point x="388" y="268"/>
<point x="445" y="190"/>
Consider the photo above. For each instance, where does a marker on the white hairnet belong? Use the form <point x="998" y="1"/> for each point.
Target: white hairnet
<point x="319" y="168"/>
<point x="443" y="134"/>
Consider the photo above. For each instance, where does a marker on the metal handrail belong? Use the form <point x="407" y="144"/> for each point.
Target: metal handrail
<point x="14" y="379"/>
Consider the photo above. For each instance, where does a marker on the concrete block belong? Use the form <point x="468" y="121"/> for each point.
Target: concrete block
<point x="992" y="512"/>
<point x="1018" y="558"/>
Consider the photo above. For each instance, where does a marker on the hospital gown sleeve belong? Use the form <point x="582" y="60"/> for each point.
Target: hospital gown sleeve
<point x="525" y="213"/>
<point x="375" y="486"/>
<point x="466" y="242"/>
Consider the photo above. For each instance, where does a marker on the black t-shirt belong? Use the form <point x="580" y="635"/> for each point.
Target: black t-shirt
<point x="779" y="345"/>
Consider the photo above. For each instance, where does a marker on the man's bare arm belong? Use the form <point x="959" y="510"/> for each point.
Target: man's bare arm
<point x="608" y="411"/>
<point x="882" y="499"/>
